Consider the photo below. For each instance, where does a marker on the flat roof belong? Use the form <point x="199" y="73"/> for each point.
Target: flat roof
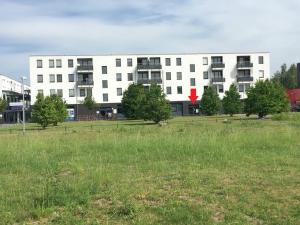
<point x="124" y="54"/>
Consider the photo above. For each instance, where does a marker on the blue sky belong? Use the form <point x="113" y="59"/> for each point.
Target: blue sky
<point x="143" y="26"/>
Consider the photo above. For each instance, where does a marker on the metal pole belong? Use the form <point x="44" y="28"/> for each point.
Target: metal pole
<point x="23" y="108"/>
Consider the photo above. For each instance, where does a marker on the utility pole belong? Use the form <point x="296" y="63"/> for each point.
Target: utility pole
<point x="23" y="108"/>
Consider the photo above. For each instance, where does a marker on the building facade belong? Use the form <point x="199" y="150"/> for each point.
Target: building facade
<point x="106" y="77"/>
<point x="11" y="91"/>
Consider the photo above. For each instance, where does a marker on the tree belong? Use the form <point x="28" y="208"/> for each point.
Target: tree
<point x="89" y="102"/>
<point x="132" y="102"/>
<point x="49" y="110"/>
<point x="3" y="104"/>
<point x="60" y="109"/>
<point x="265" y="98"/>
<point x="286" y="77"/>
<point x="210" y="103"/>
<point x="155" y="106"/>
<point x="231" y="101"/>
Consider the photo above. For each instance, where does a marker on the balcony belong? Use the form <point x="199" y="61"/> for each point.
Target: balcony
<point x="244" y="78"/>
<point x="244" y="65"/>
<point x="85" y="83"/>
<point x="149" y="81"/>
<point x="85" y="68"/>
<point x="149" y="66"/>
<point x="217" y="79"/>
<point x="217" y="65"/>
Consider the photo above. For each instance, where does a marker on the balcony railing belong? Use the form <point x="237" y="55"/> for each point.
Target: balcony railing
<point x="243" y="79"/>
<point x="217" y="79"/>
<point x="149" y="81"/>
<point x="85" y="68"/>
<point x="149" y="66"/>
<point x="216" y="65"/>
<point x="244" y="65"/>
<point x="85" y="82"/>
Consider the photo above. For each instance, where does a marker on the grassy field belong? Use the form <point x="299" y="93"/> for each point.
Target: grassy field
<point x="195" y="170"/>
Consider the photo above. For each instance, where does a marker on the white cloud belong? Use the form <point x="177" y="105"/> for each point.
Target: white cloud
<point x="120" y="26"/>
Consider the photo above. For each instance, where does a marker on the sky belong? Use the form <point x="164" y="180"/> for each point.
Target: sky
<point x="32" y="27"/>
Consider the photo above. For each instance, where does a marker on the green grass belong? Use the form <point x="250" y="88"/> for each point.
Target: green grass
<point x="195" y="170"/>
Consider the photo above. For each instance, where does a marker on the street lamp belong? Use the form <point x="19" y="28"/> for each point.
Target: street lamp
<point x="23" y="78"/>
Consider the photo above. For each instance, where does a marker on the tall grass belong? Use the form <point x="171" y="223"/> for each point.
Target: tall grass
<point x="192" y="171"/>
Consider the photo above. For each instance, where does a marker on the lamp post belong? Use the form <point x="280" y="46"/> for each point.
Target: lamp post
<point x="23" y="108"/>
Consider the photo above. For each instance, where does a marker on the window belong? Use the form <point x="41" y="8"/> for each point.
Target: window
<point x="70" y="63"/>
<point x="71" y="93"/>
<point x="217" y="59"/>
<point x="205" y="61"/>
<point x="241" y="88"/>
<point x="40" y="78"/>
<point x="261" y="73"/>
<point x="39" y="63"/>
<point x="220" y="88"/>
<point x="119" y="77"/>
<point x="179" y="90"/>
<point x="104" y="69"/>
<point x="60" y="92"/>
<point x="129" y="76"/>
<point x="129" y="62"/>
<point x="179" y="75"/>
<point x="169" y="90"/>
<point x="193" y="81"/>
<point x="119" y="91"/>
<point x="89" y="92"/>
<point x="58" y="63"/>
<point x="217" y="74"/>
<point x="58" y="78"/>
<point x="40" y="91"/>
<point x="168" y="75"/>
<point x="51" y="63"/>
<point x="52" y="91"/>
<point x="192" y="68"/>
<point x="118" y="62"/>
<point x="104" y="84"/>
<point x="105" y="97"/>
<point x="82" y="92"/>
<point x="205" y="75"/>
<point x="260" y="60"/>
<point x="155" y="61"/>
<point x="247" y="86"/>
<point x="52" y="78"/>
<point x="168" y="62"/>
<point x="178" y="61"/>
<point x="71" y="78"/>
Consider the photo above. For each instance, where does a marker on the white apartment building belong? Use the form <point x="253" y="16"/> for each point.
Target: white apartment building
<point x="11" y="91"/>
<point x="106" y="77"/>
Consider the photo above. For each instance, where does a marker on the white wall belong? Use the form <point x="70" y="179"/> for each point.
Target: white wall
<point x="8" y="84"/>
<point x="229" y="72"/>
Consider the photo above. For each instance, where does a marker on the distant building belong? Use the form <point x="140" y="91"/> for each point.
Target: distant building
<point x="294" y="94"/>
<point x="106" y="77"/>
<point x="11" y="91"/>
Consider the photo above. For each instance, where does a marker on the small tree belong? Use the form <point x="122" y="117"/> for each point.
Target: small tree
<point x="3" y="104"/>
<point x="60" y="109"/>
<point x="90" y="103"/>
<point x="266" y="98"/>
<point x="133" y="100"/>
<point x="210" y="103"/>
<point x="156" y="107"/>
<point x="231" y="101"/>
<point x="43" y="111"/>
<point x="49" y="110"/>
